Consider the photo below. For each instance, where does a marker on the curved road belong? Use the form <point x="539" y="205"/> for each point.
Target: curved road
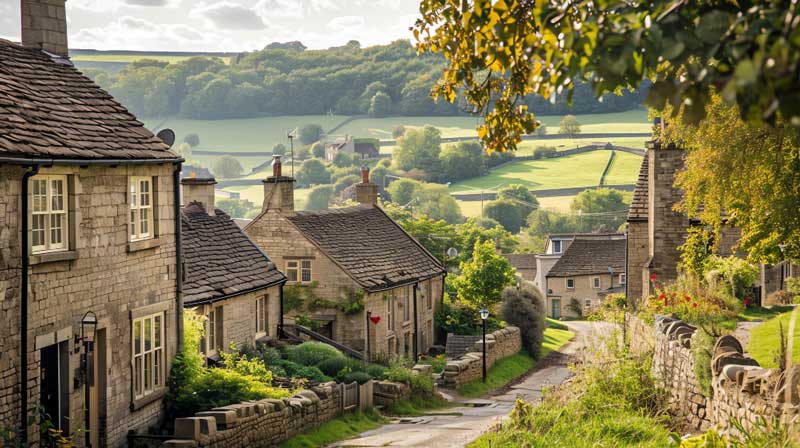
<point x="458" y="426"/>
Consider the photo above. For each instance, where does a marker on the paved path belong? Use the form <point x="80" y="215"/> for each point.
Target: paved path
<point x="445" y="431"/>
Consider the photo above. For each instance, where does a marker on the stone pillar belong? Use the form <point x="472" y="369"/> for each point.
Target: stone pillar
<point x="366" y="191"/>
<point x="278" y="189"/>
<point x="199" y="190"/>
<point x="44" y="26"/>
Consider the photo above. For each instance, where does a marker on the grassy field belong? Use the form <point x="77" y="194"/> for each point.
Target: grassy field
<point x="579" y="170"/>
<point x="128" y="58"/>
<point x="630" y="121"/>
<point x="765" y="340"/>
<point x="255" y="194"/>
<point x="346" y="426"/>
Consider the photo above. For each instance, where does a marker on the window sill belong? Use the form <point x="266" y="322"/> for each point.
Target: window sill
<point x="147" y="399"/>
<point x="50" y="257"/>
<point x="135" y="246"/>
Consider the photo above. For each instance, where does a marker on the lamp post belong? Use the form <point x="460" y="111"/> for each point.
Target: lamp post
<point x="484" y="315"/>
<point x="88" y="331"/>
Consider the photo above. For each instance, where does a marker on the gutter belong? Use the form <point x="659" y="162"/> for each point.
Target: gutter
<point x="23" y="345"/>
<point x="81" y="162"/>
<point x="179" y="271"/>
<point x="194" y="303"/>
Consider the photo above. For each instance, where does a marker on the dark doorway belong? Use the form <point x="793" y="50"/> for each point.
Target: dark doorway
<point x="54" y="385"/>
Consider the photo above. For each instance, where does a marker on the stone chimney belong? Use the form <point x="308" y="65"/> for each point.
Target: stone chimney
<point x="44" y="26"/>
<point x="366" y="191"/>
<point x="199" y="190"/>
<point x="278" y="189"/>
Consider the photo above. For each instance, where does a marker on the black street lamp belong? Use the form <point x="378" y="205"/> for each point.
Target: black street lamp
<point x="484" y="315"/>
<point x="88" y="332"/>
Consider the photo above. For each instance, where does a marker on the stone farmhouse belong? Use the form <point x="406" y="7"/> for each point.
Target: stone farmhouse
<point x="366" y="283"/>
<point x="229" y="280"/>
<point x="89" y="258"/>
<point x="350" y="146"/>
<point x="590" y="268"/>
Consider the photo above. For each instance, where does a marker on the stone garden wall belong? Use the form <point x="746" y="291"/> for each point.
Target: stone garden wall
<point x="742" y="391"/>
<point x="265" y="423"/>
<point x="469" y="367"/>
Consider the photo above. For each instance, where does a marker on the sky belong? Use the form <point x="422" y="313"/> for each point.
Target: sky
<point x="224" y="25"/>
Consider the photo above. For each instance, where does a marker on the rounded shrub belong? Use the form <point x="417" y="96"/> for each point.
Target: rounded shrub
<point x="310" y="373"/>
<point x="524" y="308"/>
<point x="376" y="370"/>
<point x="332" y="366"/>
<point x="312" y="353"/>
<point x="359" y="377"/>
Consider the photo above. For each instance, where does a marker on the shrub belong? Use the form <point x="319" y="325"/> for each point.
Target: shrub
<point x="295" y="370"/>
<point x="574" y="305"/>
<point x="359" y="377"/>
<point x="310" y="133"/>
<point x="318" y="150"/>
<point x="780" y="298"/>
<point x="227" y="167"/>
<point x="524" y="308"/>
<point x="702" y="345"/>
<point x="400" y="374"/>
<point x="376" y="370"/>
<point x="437" y="362"/>
<point x="730" y="277"/>
<point x="332" y="366"/>
<point x="312" y="353"/>
<point x="544" y="152"/>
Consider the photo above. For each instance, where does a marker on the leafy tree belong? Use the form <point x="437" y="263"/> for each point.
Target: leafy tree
<point x="600" y="200"/>
<point x="437" y="203"/>
<point x="524" y="308"/>
<point x="686" y="48"/>
<point x="320" y="197"/>
<point x="569" y="126"/>
<point x="521" y="196"/>
<point x="507" y="213"/>
<point x="419" y="148"/>
<point x="380" y="105"/>
<point x="337" y="172"/>
<point x="279" y="149"/>
<point x="344" y="182"/>
<point x="303" y="153"/>
<point x="342" y="160"/>
<point x="312" y="172"/>
<point x="462" y="161"/>
<point x="236" y="208"/>
<point x="310" y="133"/>
<point x="318" y="150"/>
<point x="483" y="278"/>
<point x="404" y="191"/>
<point x="192" y="139"/>
<point x="227" y="167"/>
<point x="398" y="131"/>
<point x="544" y="152"/>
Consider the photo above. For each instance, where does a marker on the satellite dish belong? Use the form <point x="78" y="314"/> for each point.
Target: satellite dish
<point x="452" y="252"/>
<point x="167" y="136"/>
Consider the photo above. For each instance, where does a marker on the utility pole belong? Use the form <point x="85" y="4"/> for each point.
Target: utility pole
<point x="292" y="135"/>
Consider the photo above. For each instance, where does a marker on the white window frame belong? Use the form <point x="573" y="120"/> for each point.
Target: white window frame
<point x="48" y="213"/>
<point x="567" y="282"/>
<point x="262" y="315"/>
<point x="150" y="360"/>
<point x="299" y="270"/>
<point x="587" y="303"/>
<point x="623" y="278"/>
<point x="135" y="196"/>
<point x="305" y="271"/>
<point x="560" y="246"/>
<point x="213" y="315"/>
<point x="596" y="283"/>
<point x="293" y="270"/>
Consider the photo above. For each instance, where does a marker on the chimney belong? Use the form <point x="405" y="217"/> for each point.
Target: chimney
<point x="366" y="191"/>
<point x="199" y="190"/>
<point x="278" y="189"/>
<point x="44" y="26"/>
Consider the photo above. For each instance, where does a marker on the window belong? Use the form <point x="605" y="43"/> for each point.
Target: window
<point x="49" y="226"/>
<point x="622" y="279"/>
<point x="148" y="354"/>
<point x="261" y="314"/>
<point x="407" y="305"/>
<point x="556" y="246"/>
<point x="587" y="303"/>
<point x="298" y="270"/>
<point x="390" y="312"/>
<point x="214" y="331"/>
<point x="570" y="283"/>
<point x="141" y="200"/>
<point x="596" y="282"/>
<point x="430" y="294"/>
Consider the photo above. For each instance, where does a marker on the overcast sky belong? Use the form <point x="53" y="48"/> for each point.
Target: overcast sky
<point x="224" y="25"/>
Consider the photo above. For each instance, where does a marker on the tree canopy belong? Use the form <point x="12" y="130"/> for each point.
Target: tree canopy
<point x="484" y="277"/>
<point x="227" y="167"/>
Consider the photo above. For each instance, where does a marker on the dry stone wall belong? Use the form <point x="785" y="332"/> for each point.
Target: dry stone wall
<point x="469" y="367"/>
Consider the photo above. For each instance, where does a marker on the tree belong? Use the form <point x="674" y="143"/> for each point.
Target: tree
<point x="507" y="213"/>
<point x="462" y="161"/>
<point x="318" y="150"/>
<point x="302" y="153"/>
<point x="342" y="160"/>
<point x="521" y="196"/>
<point x="192" y="139"/>
<point x="236" y="208"/>
<point x="320" y="197"/>
<point x="404" y="191"/>
<point x="524" y="309"/>
<point x="380" y="105"/>
<point x="569" y="126"/>
<point x="419" y="148"/>
<point x="227" y="167"/>
<point x="398" y="131"/>
<point x="686" y="48"/>
<point x="312" y="172"/>
<point x="437" y="203"/>
<point x="279" y="149"/>
<point x="601" y="207"/>
<point x="742" y="175"/>
<point x="544" y="152"/>
<point x="483" y="278"/>
<point x="310" y="133"/>
<point x="344" y="182"/>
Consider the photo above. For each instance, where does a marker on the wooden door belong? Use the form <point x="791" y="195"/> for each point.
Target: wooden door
<point x="556" y="308"/>
<point x="97" y="388"/>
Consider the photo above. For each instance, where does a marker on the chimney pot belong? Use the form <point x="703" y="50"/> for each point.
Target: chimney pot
<point x="276" y="166"/>
<point x="364" y="175"/>
<point x="201" y="191"/>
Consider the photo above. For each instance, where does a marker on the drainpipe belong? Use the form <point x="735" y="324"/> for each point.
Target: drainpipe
<point x="23" y="345"/>
<point x="176" y="190"/>
<point x="280" y="312"/>
<point x="416" y="328"/>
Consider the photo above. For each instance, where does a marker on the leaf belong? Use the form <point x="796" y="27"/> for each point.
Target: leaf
<point x="713" y="26"/>
<point x="745" y="73"/>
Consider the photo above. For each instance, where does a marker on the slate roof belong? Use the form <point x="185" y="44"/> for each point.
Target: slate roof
<point x="522" y="261"/>
<point x="586" y="256"/>
<point x="221" y="261"/>
<point x="49" y="110"/>
<point x="373" y="249"/>
<point x="639" y="210"/>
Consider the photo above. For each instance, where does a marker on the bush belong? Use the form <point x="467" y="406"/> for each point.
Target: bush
<point x="524" y="308"/>
<point x="376" y="370"/>
<point x="342" y="160"/>
<point x="312" y="353"/>
<point x="313" y="172"/>
<point x="279" y="149"/>
<point x="192" y="139"/>
<point x="702" y="345"/>
<point x="332" y="366"/>
<point x="544" y="152"/>
<point x="310" y="133"/>
<point x="437" y="362"/>
<point x="318" y="150"/>
<point x="227" y="167"/>
<point x="575" y="306"/>
<point x="359" y="377"/>
<point x="295" y="370"/>
<point x="320" y="197"/>
<point x="400" y="374"/>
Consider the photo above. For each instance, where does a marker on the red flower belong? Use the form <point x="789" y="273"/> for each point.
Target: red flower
<point x="674" y="294"/>
<point x="746" y="302"/>
<point x="688" y="299"/>
<point x="694" y="305"/>
<point x="652" y="277"/>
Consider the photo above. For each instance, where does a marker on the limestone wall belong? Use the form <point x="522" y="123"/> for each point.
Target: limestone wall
<point x="264" y="423"/>
<point x="742" y="391"/>
<point x="500" y="344"/>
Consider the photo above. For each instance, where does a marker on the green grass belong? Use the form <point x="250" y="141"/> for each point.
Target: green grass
<point x="512" y="367"/>
<point x="762" y="313"/>
<point x="624" y="169"/>
<point x="418" y="405"/>
<point x="578" y="170"/>
<point x="557" y="325"/>
<point x="765" y="340"/>
<point x="341" y="428"/>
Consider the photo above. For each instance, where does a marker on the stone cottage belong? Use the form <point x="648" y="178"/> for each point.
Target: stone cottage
<point x="353" y="273"/>
<point x="87" y="246"/>
<point x="591" y="267"/>
<point x="229" y="280"/>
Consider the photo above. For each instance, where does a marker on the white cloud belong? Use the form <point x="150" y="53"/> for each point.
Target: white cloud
<point x="114" y="5"/>
<point x="230" y="16"/>
<point x="133" y="33"/>
<point x="9" y="21"/>
<point x="346" y="23"/>
<point x="279" y="8"/>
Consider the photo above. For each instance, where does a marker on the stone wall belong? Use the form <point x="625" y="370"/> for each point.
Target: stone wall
<point x="741" y="390"/>
<point x="264" y="423"/>
<point x="500" y="344"/>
